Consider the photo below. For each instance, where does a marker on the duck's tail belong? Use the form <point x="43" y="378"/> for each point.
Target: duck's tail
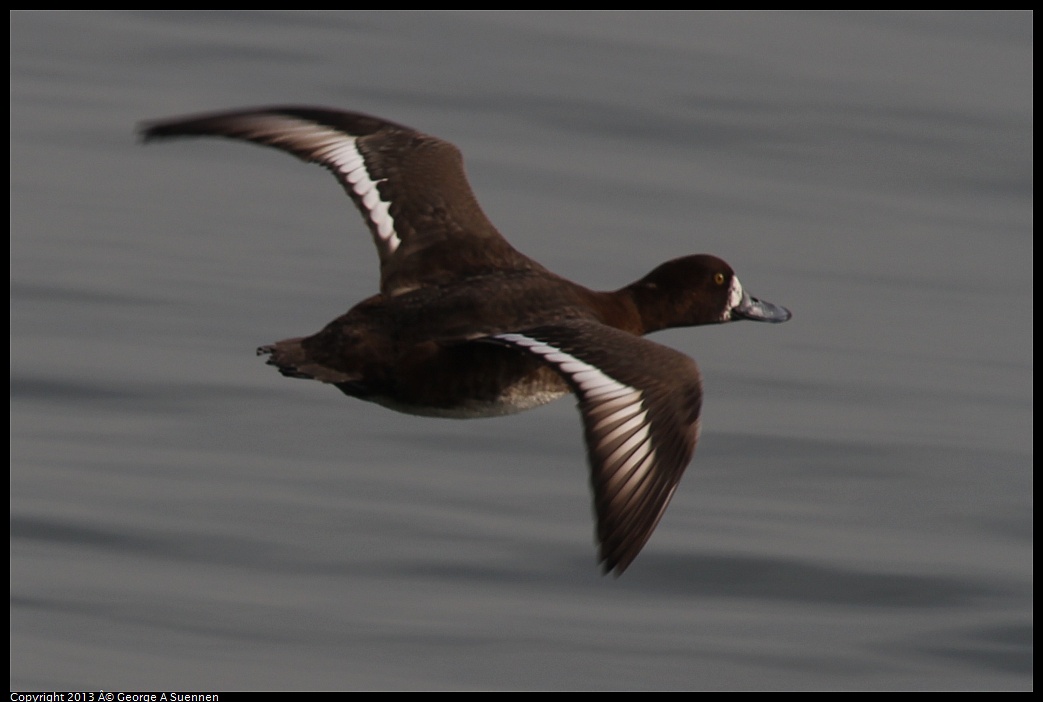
<point x="293" y="360"/>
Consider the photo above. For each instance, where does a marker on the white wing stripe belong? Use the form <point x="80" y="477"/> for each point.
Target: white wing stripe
<point x="614" y="418"/>
<point x="616" y="409"/>
<point x="627" y="484"/>
<point x="370" y="200"/>
<point x="627" y="448"/>
<point x="610" y="402"/>
<point x="608" y="393"/>
<point x="340" y="151"/>
<point x="362" y="187"/>
<point x="355" y="175"/>
<point x="625" y="428"/>
<point x="582" y="373"/>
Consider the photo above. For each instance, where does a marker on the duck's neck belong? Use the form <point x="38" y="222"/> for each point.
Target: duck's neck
<point x="638" y="308"/>
<point x="614" y="308"/>
<point x="651" y="309"/>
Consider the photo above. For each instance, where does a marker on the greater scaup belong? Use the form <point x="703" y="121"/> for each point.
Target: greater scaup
<point x="466" y="326"/>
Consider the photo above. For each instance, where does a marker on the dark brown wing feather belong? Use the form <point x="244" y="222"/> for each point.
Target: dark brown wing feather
<point x="640" y="404"/>
<point x="410" y="187"/>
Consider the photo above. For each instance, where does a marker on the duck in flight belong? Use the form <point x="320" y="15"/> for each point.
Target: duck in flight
<point x="466" y="326"/>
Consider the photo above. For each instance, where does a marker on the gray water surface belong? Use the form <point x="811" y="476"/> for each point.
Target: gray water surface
<point x="859" y="511"/>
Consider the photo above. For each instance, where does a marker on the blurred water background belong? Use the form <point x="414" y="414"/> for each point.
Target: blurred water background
<point x="859" y="512"/>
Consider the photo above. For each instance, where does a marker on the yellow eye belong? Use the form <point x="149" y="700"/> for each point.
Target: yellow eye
<point x="718" y="278"/>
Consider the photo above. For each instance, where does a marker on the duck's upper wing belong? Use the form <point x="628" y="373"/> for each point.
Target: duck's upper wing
<point x="410" y="187"/>
<point x="640" y="403"/>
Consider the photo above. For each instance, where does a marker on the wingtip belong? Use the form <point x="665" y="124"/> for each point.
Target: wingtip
<point x="141" y="131"/>
<point x="614" y="565"/>
<point x="149" y="130"/>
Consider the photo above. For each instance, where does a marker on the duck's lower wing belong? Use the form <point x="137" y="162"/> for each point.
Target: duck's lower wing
<point x="640" y="403"/>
